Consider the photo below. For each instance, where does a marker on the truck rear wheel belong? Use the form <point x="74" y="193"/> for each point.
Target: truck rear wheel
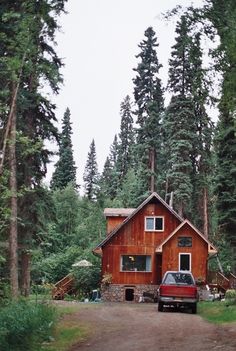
<point x="194" y="308"/>
<point x="160" y="306"/>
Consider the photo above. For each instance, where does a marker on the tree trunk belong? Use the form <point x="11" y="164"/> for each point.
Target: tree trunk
<point x="13" y="245"/>
<point x="180" y="209"/>
<point x="25" y="272"/>
<point x="152" y="168"/>
<point x="205" y="213"/>
<point x="11" y="115"/>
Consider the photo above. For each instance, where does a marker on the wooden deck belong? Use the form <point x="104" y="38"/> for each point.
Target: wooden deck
<point x="63" y="287"/>
<point x="221" y="282"/>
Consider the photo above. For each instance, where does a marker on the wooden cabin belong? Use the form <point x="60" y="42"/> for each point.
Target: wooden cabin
<point x="143" y="243"/>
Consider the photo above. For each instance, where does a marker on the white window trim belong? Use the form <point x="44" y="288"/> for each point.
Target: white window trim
<point x="121" y="261"/>
<point x="190" y="260"/>
<point x="155" y="230"/>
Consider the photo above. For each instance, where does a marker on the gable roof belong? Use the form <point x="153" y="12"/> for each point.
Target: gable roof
<point x="211" y="249"/>
<point x="154" y="195"/>
<point x="118" y="212"/>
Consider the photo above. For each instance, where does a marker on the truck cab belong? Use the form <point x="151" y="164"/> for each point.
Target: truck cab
<point x="178" y="289"/>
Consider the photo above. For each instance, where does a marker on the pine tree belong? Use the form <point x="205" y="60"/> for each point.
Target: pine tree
<point x="223" y="17"/>
<point x="105" y="184"/>
<point x="65" y="170"/>
<point x="91" y="175"/>
<point x="110" y="179"/>
<point x="126" y="139"/>
<point x="29" y="61"/>
<point x="202" y="158"/>
<point x="179" y="124"/>
<point x="148" y="96"/>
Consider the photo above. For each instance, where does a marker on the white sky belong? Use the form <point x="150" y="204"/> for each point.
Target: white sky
<point x="98" y="43"/>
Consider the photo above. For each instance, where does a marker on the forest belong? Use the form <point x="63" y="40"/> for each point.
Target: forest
<point x="175" y="149"/>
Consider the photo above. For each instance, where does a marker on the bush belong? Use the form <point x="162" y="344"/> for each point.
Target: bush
<point x="24" y="326"/>
<point x="4" y="291"/>
<point x="230" y="297"/>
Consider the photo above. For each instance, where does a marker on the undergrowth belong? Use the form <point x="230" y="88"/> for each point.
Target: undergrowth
<point x="25" y="325"/>
<point x="217" y="312"/>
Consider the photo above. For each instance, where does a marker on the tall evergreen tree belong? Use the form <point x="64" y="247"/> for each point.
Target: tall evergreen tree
<point x="179" y="124"/>
<point x="126" y="139"/>
<point x="65" y="170"/>
<point x="91" y="175"/>
<point x="148" y="96"/>
<point x="28" y="58"/>
<point x="110" y="178"/>
<point x="202" y="158"/>
<point x="223" y="17"/>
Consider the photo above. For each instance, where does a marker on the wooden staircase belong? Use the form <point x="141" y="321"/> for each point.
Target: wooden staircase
<point x="63" y="287"/>
<point x="221" y="282"/>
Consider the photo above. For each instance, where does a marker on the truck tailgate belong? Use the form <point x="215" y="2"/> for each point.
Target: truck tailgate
<point x="178" y="291"/>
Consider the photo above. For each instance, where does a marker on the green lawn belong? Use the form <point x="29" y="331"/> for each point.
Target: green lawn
<point x="67" y="331"/>
<point x="217" y="312"/>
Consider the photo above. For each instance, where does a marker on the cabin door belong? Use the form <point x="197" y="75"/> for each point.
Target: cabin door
<point x="159" y="268"/>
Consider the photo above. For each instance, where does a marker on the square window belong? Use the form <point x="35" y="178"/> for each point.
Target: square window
<point x="154" y="224"/>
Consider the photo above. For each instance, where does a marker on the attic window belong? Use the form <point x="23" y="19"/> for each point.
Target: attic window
<point x="184" y="241"/>
<point x="154" y="224"/>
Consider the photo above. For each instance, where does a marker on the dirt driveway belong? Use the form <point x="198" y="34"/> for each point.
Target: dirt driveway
<point x="140" y="327"/>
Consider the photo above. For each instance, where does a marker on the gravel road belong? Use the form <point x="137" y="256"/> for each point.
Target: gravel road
<point x="140" y="327"/>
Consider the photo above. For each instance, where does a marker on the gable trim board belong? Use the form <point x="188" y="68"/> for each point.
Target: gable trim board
<point x="211" y="249"/>
<point x="98" y="249"/>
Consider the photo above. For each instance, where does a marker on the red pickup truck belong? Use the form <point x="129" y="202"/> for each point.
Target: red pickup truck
<point x="178" y="289"/>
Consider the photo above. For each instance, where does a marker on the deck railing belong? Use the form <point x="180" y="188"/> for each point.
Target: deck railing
<point x="64" y="286"/>
<point x="222" y="281"/>
<point x="232" y="281"/>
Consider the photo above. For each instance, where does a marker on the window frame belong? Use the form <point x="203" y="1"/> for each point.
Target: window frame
<point x="136" y="271"/>
<point x="154" y="230"/>
<point x="184" y="237"/>
<point x="190" y="261"/>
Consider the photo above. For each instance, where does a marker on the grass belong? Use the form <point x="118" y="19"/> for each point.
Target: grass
<point x="67" y="331"/>
<point x="217" y="312"/>
<point x="65" y="335"/>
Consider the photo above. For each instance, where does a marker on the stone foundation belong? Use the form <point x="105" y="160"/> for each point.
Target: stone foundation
<point x="118" y="293"/>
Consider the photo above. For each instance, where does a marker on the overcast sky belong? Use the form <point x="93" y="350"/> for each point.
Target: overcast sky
<point x="98" y="43"/>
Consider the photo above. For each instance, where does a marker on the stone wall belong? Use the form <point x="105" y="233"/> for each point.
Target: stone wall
<point x="117" y="292"/>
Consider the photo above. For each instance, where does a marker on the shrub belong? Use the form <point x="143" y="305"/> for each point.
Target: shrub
<point x="24" y="326"/>
<point x="230" y="297"/>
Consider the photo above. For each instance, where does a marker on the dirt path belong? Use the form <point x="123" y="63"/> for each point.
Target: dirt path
<point x="139" y="327"/>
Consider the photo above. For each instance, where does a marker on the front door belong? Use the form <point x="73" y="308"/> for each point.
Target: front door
<point x="185" y="262"/>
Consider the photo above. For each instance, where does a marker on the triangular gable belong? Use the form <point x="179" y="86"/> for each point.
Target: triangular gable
<point x="114" y="232"/>
<point x="211" y="249"/>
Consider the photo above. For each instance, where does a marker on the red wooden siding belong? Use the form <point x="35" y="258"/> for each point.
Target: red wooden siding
<point x="133" y="240"/>
<point x="113" y="222"/>
<point x="199" y="253"/>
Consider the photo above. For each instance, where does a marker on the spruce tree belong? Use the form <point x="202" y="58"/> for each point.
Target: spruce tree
<point x="223" y="17"/>
<point x="179" y="124"/>
<point x="126" y="139"/>
<point x="148" y="96"/>
<point x="110" y="179"/>
<point x="65" y="170"/>
<point x="106" y="190"/>
<point x="91" y="175"/>
<point x="202" y="156"/>
<point x="29" y="61"/>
